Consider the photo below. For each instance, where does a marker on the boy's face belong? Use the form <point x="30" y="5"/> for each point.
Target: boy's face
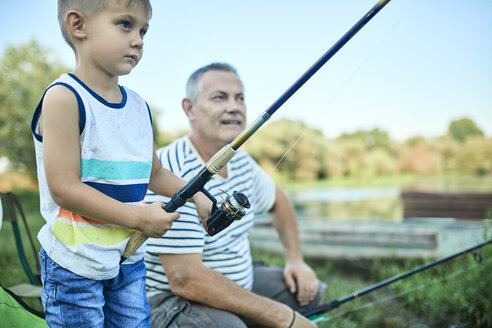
<point x="219" y="114"/>
<point x="115" y="37"/>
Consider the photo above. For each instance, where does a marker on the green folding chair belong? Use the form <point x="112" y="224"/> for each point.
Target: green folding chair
<point x="9" y="208"/>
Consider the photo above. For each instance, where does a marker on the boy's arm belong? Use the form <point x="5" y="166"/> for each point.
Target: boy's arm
<point x="166" y="183"/>
<point x="61" y="152"/>
<point x="162" y="181"/>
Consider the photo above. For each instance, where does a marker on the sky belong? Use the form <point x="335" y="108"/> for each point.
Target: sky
<point x="415" y="67"/>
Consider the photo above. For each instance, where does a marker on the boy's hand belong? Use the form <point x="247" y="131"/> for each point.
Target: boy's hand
<point x="203" y="207"/>
<point x="154" y="221"/>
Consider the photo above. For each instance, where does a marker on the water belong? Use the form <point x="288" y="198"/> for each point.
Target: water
<point x="376" y="203"/>
<point x="361" y="204"/>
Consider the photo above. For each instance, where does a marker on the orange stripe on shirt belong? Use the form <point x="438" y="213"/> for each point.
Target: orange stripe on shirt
<point x="82" y="219"/>
<point x="76" y="217"/>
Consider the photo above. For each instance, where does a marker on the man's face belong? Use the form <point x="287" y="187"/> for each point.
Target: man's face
<point x="219" y="114"/>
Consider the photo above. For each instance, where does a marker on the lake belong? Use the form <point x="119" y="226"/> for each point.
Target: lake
<point x="376" y="203"/>
<point x="362" y="204"/>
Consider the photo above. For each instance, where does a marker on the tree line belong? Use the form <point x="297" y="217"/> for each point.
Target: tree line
<point x="286" y="149"/>
<point x="367" y="153"/>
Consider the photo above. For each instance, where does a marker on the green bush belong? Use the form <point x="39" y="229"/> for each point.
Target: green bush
<point x="457" y="293"/>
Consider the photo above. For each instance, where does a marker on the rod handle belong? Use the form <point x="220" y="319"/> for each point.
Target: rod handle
<point x="220" y="159"/>
<point x="136" y="240"/>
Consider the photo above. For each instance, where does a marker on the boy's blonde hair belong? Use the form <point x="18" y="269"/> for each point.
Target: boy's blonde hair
<point x="89" y="8"/>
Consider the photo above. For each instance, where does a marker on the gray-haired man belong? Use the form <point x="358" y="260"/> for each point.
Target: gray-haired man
<point x="211" y="281"/>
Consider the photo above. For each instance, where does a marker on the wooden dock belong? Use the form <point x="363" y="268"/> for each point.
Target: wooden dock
<point x="446" y="205"/>
<point x="416" y="238"/>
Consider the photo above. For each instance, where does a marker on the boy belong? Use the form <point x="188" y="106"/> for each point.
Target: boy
<point x="96" y="159"/>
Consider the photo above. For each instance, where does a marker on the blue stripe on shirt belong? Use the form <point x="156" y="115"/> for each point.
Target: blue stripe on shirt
<point x="122" y="193"/>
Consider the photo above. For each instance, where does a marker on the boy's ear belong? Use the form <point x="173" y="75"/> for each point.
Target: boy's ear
<point x="187" y="105"/>
<point x="75" y="23"/>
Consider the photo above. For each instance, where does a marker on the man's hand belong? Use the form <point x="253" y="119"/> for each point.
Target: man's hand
<point x="203" y="207"/>
<point x="301" y="278"/>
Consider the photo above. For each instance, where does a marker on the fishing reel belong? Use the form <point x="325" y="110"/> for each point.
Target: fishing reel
<point x="232" y="208"/>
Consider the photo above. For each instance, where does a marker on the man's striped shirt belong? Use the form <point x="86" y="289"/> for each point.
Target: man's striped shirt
<point x="228" y="251"/>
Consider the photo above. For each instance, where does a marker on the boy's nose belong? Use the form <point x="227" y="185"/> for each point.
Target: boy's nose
<point x="137" y="42"/>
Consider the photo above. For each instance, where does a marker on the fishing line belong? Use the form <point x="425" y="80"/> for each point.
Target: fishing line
<point x="434" y="281"/>
<point x="223" y="217"/>
<point x="322" y="109"/>
<point x="288" y="150"/>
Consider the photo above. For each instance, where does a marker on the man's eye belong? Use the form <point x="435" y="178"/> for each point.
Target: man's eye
<point x="218" y="97"/>
<point x="126" y="25"/>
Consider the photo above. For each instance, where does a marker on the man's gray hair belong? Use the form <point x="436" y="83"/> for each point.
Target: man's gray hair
<point x="192" y="86"/>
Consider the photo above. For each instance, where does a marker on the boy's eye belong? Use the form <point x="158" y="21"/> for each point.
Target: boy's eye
<point x="142" y="32"/>
<point x="125" y="24"/>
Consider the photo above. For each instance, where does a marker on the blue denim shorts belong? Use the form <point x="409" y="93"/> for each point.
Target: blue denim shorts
<point x="70" y="300"/>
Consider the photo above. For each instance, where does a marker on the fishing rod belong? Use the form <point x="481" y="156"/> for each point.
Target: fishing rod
<point x="320" y="310"/>
<point x="232" y="208"/>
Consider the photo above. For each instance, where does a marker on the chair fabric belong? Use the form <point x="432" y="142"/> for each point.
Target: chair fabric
<point x="15" y="313"/>
<point x="10" y="207"/>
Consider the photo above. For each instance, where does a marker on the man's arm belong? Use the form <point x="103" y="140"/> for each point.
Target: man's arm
<point x="190" y="279"/>
<point x="298" y="275"/>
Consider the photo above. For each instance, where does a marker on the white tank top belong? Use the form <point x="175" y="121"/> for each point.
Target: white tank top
<point x="116" y="145"/>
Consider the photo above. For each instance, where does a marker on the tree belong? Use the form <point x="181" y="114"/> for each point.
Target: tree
<point x="474" y="156"/>
<point x="374" y="138"/>
<point x="289" y="150"/>
<point x="417" y="157"/>
<point x="26" y="72"/>
<point x="462" y="128"/>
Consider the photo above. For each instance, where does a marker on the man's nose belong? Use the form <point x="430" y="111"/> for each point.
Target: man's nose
<point x="235" y="106"/>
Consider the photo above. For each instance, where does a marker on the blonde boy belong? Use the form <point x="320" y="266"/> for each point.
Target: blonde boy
<point x="96" y="159"/>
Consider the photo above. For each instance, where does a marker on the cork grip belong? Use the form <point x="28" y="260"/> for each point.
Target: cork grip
<point x="136" y="240"/>
<point x="220" y="159"/>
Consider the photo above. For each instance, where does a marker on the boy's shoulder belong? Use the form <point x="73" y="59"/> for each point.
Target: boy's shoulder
<point x="60" y="90"/>
<point x="131" y="92"/>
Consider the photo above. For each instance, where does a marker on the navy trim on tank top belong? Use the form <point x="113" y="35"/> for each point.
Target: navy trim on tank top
<point x="98" y="97"/>
<point x="37" y="111"/>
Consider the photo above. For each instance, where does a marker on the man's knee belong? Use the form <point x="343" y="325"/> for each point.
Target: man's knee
<point x="169" y="310"/>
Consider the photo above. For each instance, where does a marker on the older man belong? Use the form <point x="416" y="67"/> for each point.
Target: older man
<point x="196" y="280"/>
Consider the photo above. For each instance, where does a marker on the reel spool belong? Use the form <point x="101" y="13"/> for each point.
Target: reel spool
<point x="232" y="208"/>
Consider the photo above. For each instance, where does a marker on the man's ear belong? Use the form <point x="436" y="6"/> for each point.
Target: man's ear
<point x="75" y="23"/>
<point x="187" y="105"/>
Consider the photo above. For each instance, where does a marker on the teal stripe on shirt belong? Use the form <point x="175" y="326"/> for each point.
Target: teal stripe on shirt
<point x="115" y="170"/>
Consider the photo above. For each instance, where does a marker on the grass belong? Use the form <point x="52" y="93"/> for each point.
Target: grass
<point x="456" y="294"/>
<point x="449" y="182"/>
<point x="343" y="279"/>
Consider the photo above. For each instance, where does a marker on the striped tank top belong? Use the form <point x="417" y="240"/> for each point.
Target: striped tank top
<point x="116" y="149"/>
